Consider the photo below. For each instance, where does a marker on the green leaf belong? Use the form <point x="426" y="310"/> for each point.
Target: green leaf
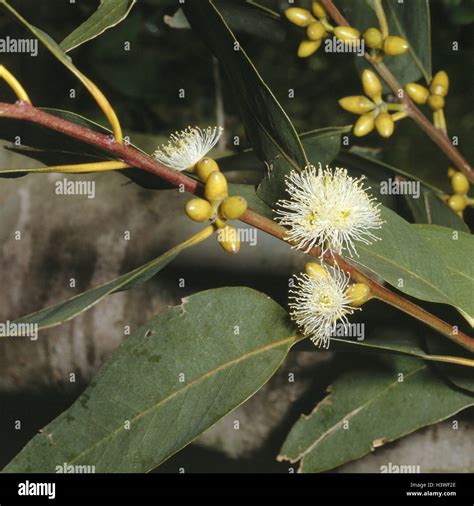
<point x="69" y="309"/>
<point x="109" y="14"/>
<point x="409" y="261"/>
<point x="368" y="407"/>
<point x="171" y="380"/>
<point x="268" y="127"/>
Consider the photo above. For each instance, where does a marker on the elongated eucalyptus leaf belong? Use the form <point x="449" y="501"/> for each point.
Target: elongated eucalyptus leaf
<point x="166" y="384"/>
<point x="405" y="258"/>
<point x="65" y="311"/>
<point x="108" y="14"/>
<point x="370" y="406"/>
<point x="268" y="127"/>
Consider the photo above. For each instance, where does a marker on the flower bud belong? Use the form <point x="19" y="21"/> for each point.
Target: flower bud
<point x="347" y="33"/>
<point x="216" y="187"/>
<point x="364" y="125"/>
<point x="316" y="31"/>
<point x="384" y="125"/>
<point x="460" y="183"/>
<point x="451" y="172"/>
<point x="299" y="17"/>
<point x="318" y="9"/>
<point x="419" y="94"/>
<point x="232" y="208"/>
<point x="372" y="85"/>
<point x="358" y="104"/>
<point x="373" y="38"/>
<point x="457" y="203"/>
<point x="394" y="46"/>
<point x="308" y="47"/>
<point x="358" y="294"/>
<point x="205" y="168"/>
<point x="199" y="210"/>
<point x="436" y="102"/>
<point x="229" y="239"/>
<point x="440" y="84"/>
<point x="315" y="271"/>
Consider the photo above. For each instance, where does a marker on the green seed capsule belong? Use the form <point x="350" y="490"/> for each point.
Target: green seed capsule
<point x="460" y="183"/>
<point x="373" y="38"/>
<point x="358" y="104"/>
<point x="232" y="208"/>
<point x="199" y="210"/>
<point x="205" y="168"/>
<point x="316" y="31"/>
<point x="358" y="294"/>
<point x="394" y="46"/>
<point x="216" y="187"/>
<point x="299" y="17"/>
<point x="384" y="125"/>
<point x="419" y="94"/>
<point x="308" y="47"/>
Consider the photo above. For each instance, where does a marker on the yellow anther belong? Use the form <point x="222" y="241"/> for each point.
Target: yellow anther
<point x="232" y="208"/>
<point x="205" y="168"/>
<point x="199" y="210"/>
<point x="299" y="17"/>
<point x="440" y="84"/>
<point x="394" y="46"/>
<point x="358" y="104"/>
<point x="358" y="294"/>
<point x="418" y="93"/>
<point x="384" y="125"/>
<point x="308" y="47"/>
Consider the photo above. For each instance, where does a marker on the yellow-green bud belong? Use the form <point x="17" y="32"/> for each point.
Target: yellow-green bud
<point x="460" y="183"/>
<point x="457" y="203"/>
<point x="318" y="9"/>
<point x="358" y="104"/>
<point x="436" y="102"/>
<point x="199" y="210"/>
<point x="358" y="294"/>
<point x="316" y="31"/>
<point x="384" y="125"/>
<point x="451" y="172"/>
<point x="229" y="240"/>
<point x="347" y="33"/>
<point x="315" y="270"/>
<point x="440" y="84"/>
<point x="364" y="125"/>
<point x="216" y="187"/>
<point x="232" y="208"/>
<point x="373" y="38"/>
<point x="308" y="47"/>
<point x="299" y="17"/>
<point x="418" y="93"/>
<point x="394" y="46"/>
<point x="205" y="168"/>
<point x="372" y="85"/>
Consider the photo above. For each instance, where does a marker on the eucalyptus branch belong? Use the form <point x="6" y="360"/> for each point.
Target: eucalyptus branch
<point x="435" y="134"/>
<point x="139" y="160"/>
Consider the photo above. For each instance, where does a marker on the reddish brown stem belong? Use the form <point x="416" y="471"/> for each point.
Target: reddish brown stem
<point x="135" y="158"/>
<point x="436" y="135"/>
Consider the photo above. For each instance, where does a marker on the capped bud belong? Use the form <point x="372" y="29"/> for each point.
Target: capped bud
<point x="347" y="33"/>
<point x="372" y="85"/>
<point x="440" y="84"/>
<point x="460" y="183"/>
<point x="205" y="168"/>
<point x="299" y="17"/>
<point x="216" y="187"/>
<point x="316" y="31"/>
<point x="384" y="125"/>
<point x="318" y="9"/>
<point x="358" y="104"/>
<point x="457" y="203"/>
<point x="308" y="47"/>
<point x="358" y="294"/>
<point x="364" y="125"/>
<point x="394" y="46"/>
<point x="451" y="172"/>
<point x="199" y="210"/>
<point x="232" y="208"/>
<point x="436" y="102"/>
<point x="373" y="38"/>
<point x="315" y="270"/>
<point x="419" y="94"/>
<point x="228" y="238"/>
